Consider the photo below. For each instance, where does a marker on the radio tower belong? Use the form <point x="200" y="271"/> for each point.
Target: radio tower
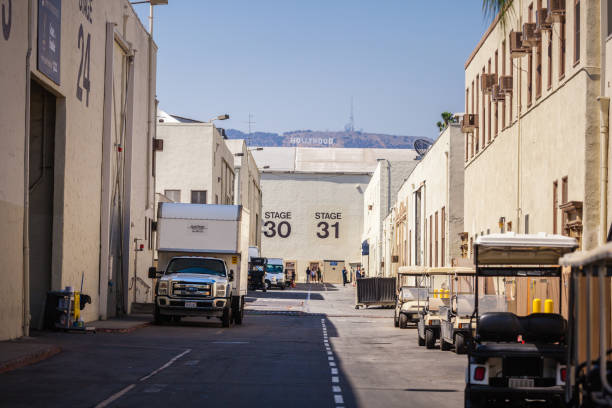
<point x="350" y="127"/>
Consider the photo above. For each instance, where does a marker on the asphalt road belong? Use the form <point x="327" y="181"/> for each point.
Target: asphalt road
<point x="305" y="347"/>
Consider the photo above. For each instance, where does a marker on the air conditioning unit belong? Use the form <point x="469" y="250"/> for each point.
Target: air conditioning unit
<point x="531" y="35"/>
<point x="556" y="10"/>
<point x="487" y="81"/>
<point x="158" y="145"/>
<point x="543" y="22"/>
<point x="516" y="45"/>
<point x="395" y="259"/>
<point x="497" y="94"/>
<point x="505" y="84"/>
<point x="469" y="122"/>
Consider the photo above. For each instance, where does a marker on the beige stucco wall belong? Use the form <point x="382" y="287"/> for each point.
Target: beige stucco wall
<point x="556" y="136"/>
<point x="78" y="151"/>
<point x="303" y="195"/>
<point x="194" y="158"/>
<point x="247" y="187"/>
<point x="378" y="198"/>
<point x="439" y="177"/>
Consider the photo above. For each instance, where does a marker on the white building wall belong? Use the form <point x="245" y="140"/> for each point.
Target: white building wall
<point x="78" y="159"/>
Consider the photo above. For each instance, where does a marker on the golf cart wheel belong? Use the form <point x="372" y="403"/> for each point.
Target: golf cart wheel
<point x="395" y="320"/>
<point x="403" y="321"/>
<point x="430" y="339"/>
<point x="444" y="346"/>
<point x="460" y="346"/>
<point x="226" y="320"/>
<point x="283" y="286"/>
<point x="420" y="340"/>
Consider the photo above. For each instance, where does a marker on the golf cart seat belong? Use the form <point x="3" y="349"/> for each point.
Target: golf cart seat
<point x="498" y="326"/>
<point x="435" y="304"/>
<point x="544" y="328"/>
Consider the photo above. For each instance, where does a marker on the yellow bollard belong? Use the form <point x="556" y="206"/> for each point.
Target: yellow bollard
<point x="549" y="306"/>
<point x="77" y="306"/>
<point x="435" y="293"/>
<point x="447" y="294"/>
<point x="537" y="306"/>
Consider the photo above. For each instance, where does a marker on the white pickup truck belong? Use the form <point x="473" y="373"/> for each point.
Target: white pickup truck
<point x="201" y="268"/>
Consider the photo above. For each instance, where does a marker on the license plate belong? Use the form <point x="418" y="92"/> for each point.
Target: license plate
<point x="191" y="304"/>
<point x="521" y="383"/>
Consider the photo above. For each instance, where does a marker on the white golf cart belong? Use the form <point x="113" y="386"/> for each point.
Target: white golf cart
<point x="517" y="357"/>
<point x="410" y="281"/>
<point x="455" y="318"/>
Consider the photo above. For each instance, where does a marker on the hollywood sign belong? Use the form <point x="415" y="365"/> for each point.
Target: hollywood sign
<point x="312" y="141"/>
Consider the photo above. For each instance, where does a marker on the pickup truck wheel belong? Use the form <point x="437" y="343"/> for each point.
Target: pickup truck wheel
<point x="430" y="339"/>
<point x="159" y="318"/>
<point x="226" y="320"/>
<point x="403" y="321"/>
<point x="238" y="312"/>
<point x="460" y="347"/>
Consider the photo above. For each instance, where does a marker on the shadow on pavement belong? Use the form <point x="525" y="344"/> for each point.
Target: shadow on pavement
<point x="281" y="295"/>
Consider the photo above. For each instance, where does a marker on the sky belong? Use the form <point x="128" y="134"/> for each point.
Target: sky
<point x="296" y="64"/>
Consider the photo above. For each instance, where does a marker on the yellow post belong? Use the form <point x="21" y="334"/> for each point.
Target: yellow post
<point x="77" y="306"/>
<point x="537" y="306"/>
<point x="446" y="294"/>
<point x="549" y="306"/>
<point x="435" y="293"/>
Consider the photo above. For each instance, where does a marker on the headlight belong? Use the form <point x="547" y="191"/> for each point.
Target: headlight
<point x="220" y="289"/>
<point x="162" y="289"/>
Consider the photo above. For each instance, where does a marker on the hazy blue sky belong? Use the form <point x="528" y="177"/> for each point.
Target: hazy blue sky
<point x="296" y="64"/>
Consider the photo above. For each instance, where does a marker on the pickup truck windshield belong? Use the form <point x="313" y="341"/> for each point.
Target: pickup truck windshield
<point x="274" y="268"/>
<point x="195" y="265"/>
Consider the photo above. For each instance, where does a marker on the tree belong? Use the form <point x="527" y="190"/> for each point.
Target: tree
<point x="447" y="118"/>
<point x="492" y="8"/>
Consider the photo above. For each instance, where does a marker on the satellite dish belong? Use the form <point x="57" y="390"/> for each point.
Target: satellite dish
<point x="421" y="146"/>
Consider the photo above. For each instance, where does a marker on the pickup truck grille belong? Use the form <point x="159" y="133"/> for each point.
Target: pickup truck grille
<point x="191" y="289"/>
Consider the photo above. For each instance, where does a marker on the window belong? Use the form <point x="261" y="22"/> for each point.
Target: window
<point x="198" y="196"/>
<point x="436" y="247"/>
<point x="526" y="223"/>
<point x="216" y="199"/>
<point x="430" y="240"/>
<point x="481" y="118"/>
<point x="443" y="236"/>
<point x="471" y="247"/>
<point x="174" y="195"/>
<point x="538" y="70"/>
<point x="496" y="104"/>
<point x="562" y="49"/>
<point x="609" y="5"/>
<point x="489" y="120"/>
<point x="555" y="205"/>
<point x="576" y="31"/>
<point x="550" y="40"/>
<point x="512" y="93"/>
<point x="504" y="73"/>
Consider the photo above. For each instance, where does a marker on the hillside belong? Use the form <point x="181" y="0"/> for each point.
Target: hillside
<point x="311" y="138"/>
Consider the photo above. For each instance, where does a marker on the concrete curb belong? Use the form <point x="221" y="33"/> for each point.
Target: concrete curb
<point x="33" y="358"/>
<point x="122" y="330"/>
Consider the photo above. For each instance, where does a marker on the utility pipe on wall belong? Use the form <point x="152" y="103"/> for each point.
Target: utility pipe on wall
<point x="604" y="114"/>
<point x="26" y="181"/>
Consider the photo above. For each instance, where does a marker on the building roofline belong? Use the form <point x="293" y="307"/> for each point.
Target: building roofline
<point x="482" y="41"/>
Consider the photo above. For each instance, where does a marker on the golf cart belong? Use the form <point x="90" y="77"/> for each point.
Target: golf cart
<point x="455" y="318"/>
<point x="437" y="296"/>
<point x="407" y="297"/>
<point x="518" y="354"/>
<point x="257" y="273"/>
<point x="589" y="380"/>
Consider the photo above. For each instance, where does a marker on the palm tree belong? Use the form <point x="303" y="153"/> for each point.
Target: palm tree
<point x="447" y="118"/>
<point x="491" y="8"/>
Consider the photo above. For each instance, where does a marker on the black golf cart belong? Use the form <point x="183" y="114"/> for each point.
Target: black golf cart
<point x="517" y="357"/>
<point x="589" y="372"/>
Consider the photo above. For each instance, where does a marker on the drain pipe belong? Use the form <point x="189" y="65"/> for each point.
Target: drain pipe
<point x="604" y="113"/>
<point x="26" y="183"/>
<point x="604" y="128"/>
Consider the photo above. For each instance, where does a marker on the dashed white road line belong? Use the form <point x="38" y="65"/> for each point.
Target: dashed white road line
<point x="127" y="389"/>
<point x="335" y="379"/>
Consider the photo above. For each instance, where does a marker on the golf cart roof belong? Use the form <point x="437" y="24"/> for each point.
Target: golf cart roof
<point x="411" y="270"/>
<point x="523" y="249"/>
<point x="602" y="254"/>
<point x="450" y="270"/>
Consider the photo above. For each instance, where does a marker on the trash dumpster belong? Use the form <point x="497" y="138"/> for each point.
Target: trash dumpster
<point x="375" y="292"/>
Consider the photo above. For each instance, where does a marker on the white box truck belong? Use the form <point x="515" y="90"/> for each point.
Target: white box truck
<point x="201" y="268"/>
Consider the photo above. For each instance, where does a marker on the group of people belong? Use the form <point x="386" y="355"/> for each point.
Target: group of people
<point x="313" y="274"/>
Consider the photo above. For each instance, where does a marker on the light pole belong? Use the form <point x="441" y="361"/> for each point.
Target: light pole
<point x="151" y="4"/>
<point x="220" y="117"/>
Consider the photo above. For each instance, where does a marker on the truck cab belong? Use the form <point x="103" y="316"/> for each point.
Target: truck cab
<point x="275" y="274"/>
<point x="193" y="286"/>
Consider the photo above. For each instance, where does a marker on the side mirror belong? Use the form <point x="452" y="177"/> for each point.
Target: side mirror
<point x="153" y="272"/>
<point x="231" y="275"/>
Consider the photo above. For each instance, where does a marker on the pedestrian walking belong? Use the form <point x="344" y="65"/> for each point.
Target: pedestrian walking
<point x="313" y="274"/>
<point x="358" y="273"/>
<point x="344" y="276"/>
<point x="308" y="274"/>
<point x="319" y="276"/>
